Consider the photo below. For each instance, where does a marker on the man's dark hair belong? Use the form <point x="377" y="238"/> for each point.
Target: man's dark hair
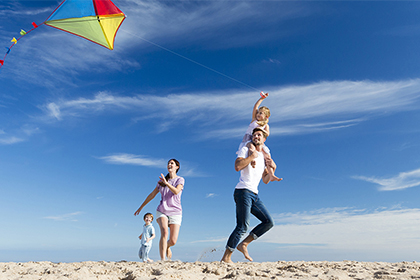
<point x="262" y="130"/>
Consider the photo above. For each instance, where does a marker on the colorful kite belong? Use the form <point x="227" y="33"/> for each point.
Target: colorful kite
<point x="95" y="20"/>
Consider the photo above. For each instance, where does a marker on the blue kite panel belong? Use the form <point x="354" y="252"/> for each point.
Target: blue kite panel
<point x="73" y="9"/>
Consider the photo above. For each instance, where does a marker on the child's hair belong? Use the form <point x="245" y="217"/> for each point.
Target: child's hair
<point x="167" y="175"/>
<point x="266" y="111"/>
<point x="148" y="214"/>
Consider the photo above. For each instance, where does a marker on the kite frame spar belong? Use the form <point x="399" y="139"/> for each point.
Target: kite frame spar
<point x="95" y="20"/>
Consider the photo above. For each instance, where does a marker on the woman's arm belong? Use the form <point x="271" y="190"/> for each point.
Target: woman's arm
<point x="175" y="190"/>
<point x="257" y="104"/>
<point x="147" y="200"/>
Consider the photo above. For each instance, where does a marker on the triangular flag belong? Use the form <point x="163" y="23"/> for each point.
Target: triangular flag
<point x="1" y="62"/>
<point x="14" y="40"/>
<point x="34" y="25"/>
<point x="22" y="32"/>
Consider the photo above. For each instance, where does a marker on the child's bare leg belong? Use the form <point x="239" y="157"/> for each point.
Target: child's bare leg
<point x="253" y="163"/>
<point x="270" y="167"/>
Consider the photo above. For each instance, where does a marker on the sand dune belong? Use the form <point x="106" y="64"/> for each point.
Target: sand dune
<point x="215" y="270"/>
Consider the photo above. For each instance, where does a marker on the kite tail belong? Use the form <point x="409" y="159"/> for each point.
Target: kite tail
<point x="14" y="41"/>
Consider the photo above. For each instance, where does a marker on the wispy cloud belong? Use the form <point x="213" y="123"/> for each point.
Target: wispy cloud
<point x="295" y="109"/>
<point x="17" y="9"/>
<point x="122" y="158"/>
<point x="401" y="181"/>
<point x="216" y="239"/>
<point x="213" y="21"/>
<point x="134" y="160"/>
<point x="18" y="135"/>
<point x="272" y="60"/>
<point x="10" y="140"/>
<point x="164" y="23"/>
<point x="349" y="229"/>
<point x="65" y="217"/>
<point x="211" y="195"/>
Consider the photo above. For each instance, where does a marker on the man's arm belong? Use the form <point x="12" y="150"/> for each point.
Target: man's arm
<point x="241" y="163"/>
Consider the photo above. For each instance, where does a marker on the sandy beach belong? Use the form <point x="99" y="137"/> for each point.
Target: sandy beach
<point x="214" y="270"/>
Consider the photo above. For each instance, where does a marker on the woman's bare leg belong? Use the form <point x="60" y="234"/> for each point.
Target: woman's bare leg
<point x="164" y="232"/>
<point x="173" y="238"/>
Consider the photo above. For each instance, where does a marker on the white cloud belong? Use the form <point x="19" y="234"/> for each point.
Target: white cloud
<point x="65" y="217"/>
<point x="402" y="181"/>
<point x="54" y="110"/>
<point x="349" y="230"/>
<point x="18" y="135"/>
<point x="211" y="22"/>
<point x="295" y="109"/>
<point x="211" y="195"/>
<point x="10" y="140"/>
<point x="272" y="60"/>
<point x="62" y="57"/>
<point x="130" y="159"/>
<point x="17" y="9"/>
<point x="216" y="239"/>
<point x="134" y="160"/>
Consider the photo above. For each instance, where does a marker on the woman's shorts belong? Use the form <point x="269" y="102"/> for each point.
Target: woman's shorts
<point x="173" y="220"/>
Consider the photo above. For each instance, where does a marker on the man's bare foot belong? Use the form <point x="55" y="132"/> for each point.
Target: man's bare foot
<point x="169" y="253"/>
<point x="149" y="260"/>
<point x="227" y="257"/>
<point x="244" y="250"/>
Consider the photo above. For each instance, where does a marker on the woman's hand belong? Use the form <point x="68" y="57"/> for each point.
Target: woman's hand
<point x="163" y="179"/>
<point x="138" y="211"/>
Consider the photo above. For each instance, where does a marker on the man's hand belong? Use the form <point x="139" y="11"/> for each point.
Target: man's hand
<point x="270" y="163"/>
<point x="252" y="152"/>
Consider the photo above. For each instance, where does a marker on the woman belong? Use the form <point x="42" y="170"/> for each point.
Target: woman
<point x="169" y="211"/>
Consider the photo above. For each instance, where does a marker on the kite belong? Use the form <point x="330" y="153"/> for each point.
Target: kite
<point x="95" y="20"/>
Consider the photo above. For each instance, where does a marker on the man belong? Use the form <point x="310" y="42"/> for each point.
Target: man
<point x="246" y="196"/>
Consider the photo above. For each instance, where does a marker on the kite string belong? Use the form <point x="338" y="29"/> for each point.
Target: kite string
<point x="14" y="40"/>
<point x="193" y="61"/>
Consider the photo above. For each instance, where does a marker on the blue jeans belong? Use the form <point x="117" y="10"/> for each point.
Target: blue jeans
<point x="248" y="203"/>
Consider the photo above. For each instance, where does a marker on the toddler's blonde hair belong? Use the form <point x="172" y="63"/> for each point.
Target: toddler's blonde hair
<point x="266" y="111"/>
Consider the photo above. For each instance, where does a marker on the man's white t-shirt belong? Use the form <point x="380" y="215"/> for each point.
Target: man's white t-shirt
<point x="251" y="177"/>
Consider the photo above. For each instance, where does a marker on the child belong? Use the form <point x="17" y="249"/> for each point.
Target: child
<point x="146" y="238"/>
<point x="260" y="119"/>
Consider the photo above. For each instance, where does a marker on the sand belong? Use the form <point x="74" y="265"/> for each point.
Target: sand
<point x="211" y="270"/>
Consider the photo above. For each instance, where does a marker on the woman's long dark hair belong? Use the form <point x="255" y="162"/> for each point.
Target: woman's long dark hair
<point x="167" y="175"/>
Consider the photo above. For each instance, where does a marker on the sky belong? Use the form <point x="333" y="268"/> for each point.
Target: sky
<point x="85" y="132"/>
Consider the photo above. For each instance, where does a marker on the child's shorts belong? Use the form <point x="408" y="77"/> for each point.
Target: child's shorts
<point x="173" y="220"/>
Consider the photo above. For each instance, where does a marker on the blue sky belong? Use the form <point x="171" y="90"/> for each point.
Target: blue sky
<point x="85" y="131"/>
